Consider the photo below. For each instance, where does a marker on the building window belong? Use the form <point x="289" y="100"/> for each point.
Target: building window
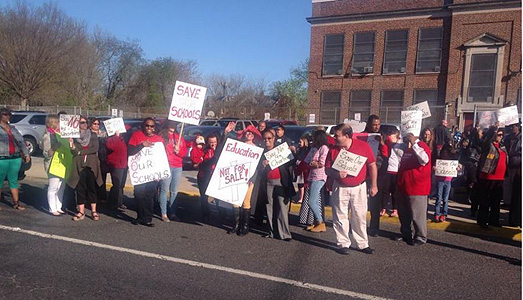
<point x="330" y="107"/>
<point x="431" y="96"/>
<point x="360" y="103"/>
<point x="429" y="50"/>
<point x="363" y="53"/>
<point x="396" y="44"/>
<point x="482" y="77"/>
<point x="391" y="106"/>
<point x="333" y="54"/>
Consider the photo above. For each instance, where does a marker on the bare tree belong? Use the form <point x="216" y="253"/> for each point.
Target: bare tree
<point x="34" y="46"/>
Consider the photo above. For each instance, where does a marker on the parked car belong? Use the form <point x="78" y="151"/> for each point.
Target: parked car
<point x="189" y="135"/>
<point x="209" y="123"/>
<point x="31" y="125"/>
<point x="240" y="124"/>
<point x="294" y="132"/>
<point x="328" y="128"/>
<point x="273" y="123"/>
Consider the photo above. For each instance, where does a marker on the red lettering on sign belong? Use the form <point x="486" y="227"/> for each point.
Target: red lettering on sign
<point x="188" y="91"/>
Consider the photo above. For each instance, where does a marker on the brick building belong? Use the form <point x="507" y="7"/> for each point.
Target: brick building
<point x="379" y="56"/>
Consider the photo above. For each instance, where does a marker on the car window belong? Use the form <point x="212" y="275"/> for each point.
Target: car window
<point x="37" y="120"/>
<point x="239" y="126"/>
<point x="16" y="118"/>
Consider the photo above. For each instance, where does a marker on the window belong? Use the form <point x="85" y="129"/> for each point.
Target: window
<point x="429" y="50"/>
<point x="333" y="54"/>
<point x="396" y="43"/>
<point x="330" y="107"/>
<point x="37" y="120"/>
<point x="482" y="77"/>
<point x="363" y="53"/>
<point x="431" y="96"/>
<point x="15" y="118"/>
<point x="391" y="106"/>
<point x="360" y="103"/>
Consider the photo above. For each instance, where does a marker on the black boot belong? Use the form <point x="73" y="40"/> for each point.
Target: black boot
<point x="236" y="219"/>
<point x="246" y="215"/>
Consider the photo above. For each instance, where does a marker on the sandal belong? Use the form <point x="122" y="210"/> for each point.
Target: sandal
<point x="95" y="216"/>
<point x="18" y="206"/>
<point x="78" y="217"/>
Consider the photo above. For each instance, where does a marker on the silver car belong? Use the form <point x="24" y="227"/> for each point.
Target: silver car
<point x="31" y="125"/>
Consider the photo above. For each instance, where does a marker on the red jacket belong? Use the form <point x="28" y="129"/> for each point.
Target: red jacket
<point x="196" y="154"/>
<point x="414" y="178"/>
<point x="175" y="160"/>
<point x="117" y="152"/>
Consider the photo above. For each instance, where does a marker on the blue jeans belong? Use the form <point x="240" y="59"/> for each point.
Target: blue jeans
<point x="443" y="195"/>
<point x="314" y="199"/>
<point x="171" y="184"/>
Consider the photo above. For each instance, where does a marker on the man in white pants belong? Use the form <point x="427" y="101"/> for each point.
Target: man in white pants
<point x="350" y="192"/>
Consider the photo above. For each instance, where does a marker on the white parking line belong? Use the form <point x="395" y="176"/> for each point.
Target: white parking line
<point x="192" y="263"/>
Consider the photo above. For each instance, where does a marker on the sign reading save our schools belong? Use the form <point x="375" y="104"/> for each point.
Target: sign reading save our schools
<point x="187" y="103"/>
<point x="423" y="107"/>
<point x="148" y="165"/>
<point x="411" y="122"/>
<point x="70" y="126"/>
<point x="446" y="168"/>
<point x="279" y="156"/>
<point x="349" y="162"/>
<point x="114" y="125"/>
<point x="235" y="167"/>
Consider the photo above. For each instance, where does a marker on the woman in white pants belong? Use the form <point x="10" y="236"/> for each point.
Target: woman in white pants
<point x="53" y="149"/>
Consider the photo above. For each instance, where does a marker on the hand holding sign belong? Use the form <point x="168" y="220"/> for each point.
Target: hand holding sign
<point x="349" y="162"/>
<point x="70" y="126"/>
<point x="187" y="103"/>
<point x="279" y="156"/>
<point x="423" y="107"/>
<point x="411" y="122"/>
<point x="114" y="125"/>
<point x="446" y="168"/>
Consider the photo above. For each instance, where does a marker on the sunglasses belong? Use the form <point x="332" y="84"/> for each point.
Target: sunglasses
<point x="83" y="122"/>
<point x="149" y="126"/>
<point x="268" y="138"/>
<point x="500" y="134"/>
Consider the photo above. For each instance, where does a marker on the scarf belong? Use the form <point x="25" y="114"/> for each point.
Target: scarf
<point x="85" y="137"/>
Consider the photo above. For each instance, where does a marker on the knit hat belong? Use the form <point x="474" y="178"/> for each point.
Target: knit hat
<point x="200" y="140"/>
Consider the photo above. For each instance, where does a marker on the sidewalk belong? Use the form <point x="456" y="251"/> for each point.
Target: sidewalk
<point x="459" y="220"/>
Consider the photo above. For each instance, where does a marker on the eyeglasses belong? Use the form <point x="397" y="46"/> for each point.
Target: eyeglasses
<point x="83" y="122"/>
<point x="149" y="126"/>
<point x="268" y="138"/>
<point x="500" y="134"/>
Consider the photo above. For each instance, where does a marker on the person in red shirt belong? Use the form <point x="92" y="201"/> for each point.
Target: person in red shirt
<point x="414" y="182"/>
<point x="350" y="192"/>
<point x="117" y="164"/>
<point x="197" y="151"/>
<point x="176" y="149"/>
<point x="493" y="166"/>
<point x="144" y="193"/>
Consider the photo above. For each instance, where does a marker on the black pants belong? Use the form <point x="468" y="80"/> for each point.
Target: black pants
<point x="204" y="203"/>
<point x="515" y="202"/>
<point x="86" y="188"/>
<point x="489" y="195"/>
<point x="116" y="193"/>
<point x="101" y="191"/>
<point x="144" y="195"/>
<point x="386" y="186"/>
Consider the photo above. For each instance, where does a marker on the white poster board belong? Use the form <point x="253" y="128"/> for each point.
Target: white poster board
<point x="373" y="139"/>
<point x="187" y="103"/>
<point x="357" y="126"/>
<point x="411" y="122"/>
<point x="114" y="112"/>
<point x="279" y="155"/>
<point x="446" y="168"/>
<point x="486" y="119"/>
<point x="312" y="118"/>
<point x="148" y="165"/>
<point x="236" y="165"/>
<point x="70" y="126"/>
<point x="507" y="115"/>
<point x="423" y="107"/>
<point x="349" y="162"/>
<point x="267" y="116"/>
<point x="114" y="125"/>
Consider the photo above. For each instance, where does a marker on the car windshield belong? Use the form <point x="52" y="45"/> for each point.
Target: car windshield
<point x="16" y="118"/>
<point x="295" y="133"/>
<point x="191" y="132"/>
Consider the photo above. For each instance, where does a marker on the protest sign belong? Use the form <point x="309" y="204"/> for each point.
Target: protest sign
<point x="357" y="126"/>
<point x="148" y="165"/>
<point x="114" y="125"/>
<point x="446" y="168"/>
<point x="349" y="162"/>
<point x="70" y="126"/>
<point x="279" y="156"/>
<point x="486" y="118"/>
<point x="507" y="115"/>
<point x="235" y="167"/>
<point x="411" y="122"/>
<point x="187" y="103"/>
<point x="373" y="139"/>
<point x="62" y="159"/>
<point x="423" y="107"/>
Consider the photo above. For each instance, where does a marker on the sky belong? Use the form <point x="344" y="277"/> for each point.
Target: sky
<point x="260" y="39"/>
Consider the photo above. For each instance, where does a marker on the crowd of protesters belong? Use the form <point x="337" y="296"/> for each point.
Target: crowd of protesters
<point x="402" y="170"/>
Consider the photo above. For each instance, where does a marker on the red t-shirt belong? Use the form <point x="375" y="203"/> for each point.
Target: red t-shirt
<point x="175" y="160"/>
<point x="11" y="142"/>
<point x="501" y="167"/>
<point x="357" y="147"/>
<point x="138" y="137"/>
<point x="413" y="178"/>
<point x="274" y="174"/>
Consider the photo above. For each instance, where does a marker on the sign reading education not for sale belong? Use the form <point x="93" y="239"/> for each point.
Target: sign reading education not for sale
<point x="235" y="167"/>
<point x="150" y="164"/>
<point x="187" y="103"/>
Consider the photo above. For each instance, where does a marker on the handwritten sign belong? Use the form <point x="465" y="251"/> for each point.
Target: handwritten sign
<point x="148" y="165"/>
<point x="114" y="125"/>
<point x="187" y="103"/>
<point x="349" y="162"/>
<point x="508" y="115"/>
<point x="70" y="126"/>
<point x="411" y="122"/>
<point x="357" y="126"/>
<point x="279" y="156"/>
<point x="423" y="107"/>
<point x="235" y="167"/>
<point x="446" y="168"/>
<point x="373" y="139"/>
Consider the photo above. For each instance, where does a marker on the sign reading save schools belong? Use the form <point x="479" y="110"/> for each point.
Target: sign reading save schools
<point x="187" y="103"/>
<point x="148" y="165"/>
